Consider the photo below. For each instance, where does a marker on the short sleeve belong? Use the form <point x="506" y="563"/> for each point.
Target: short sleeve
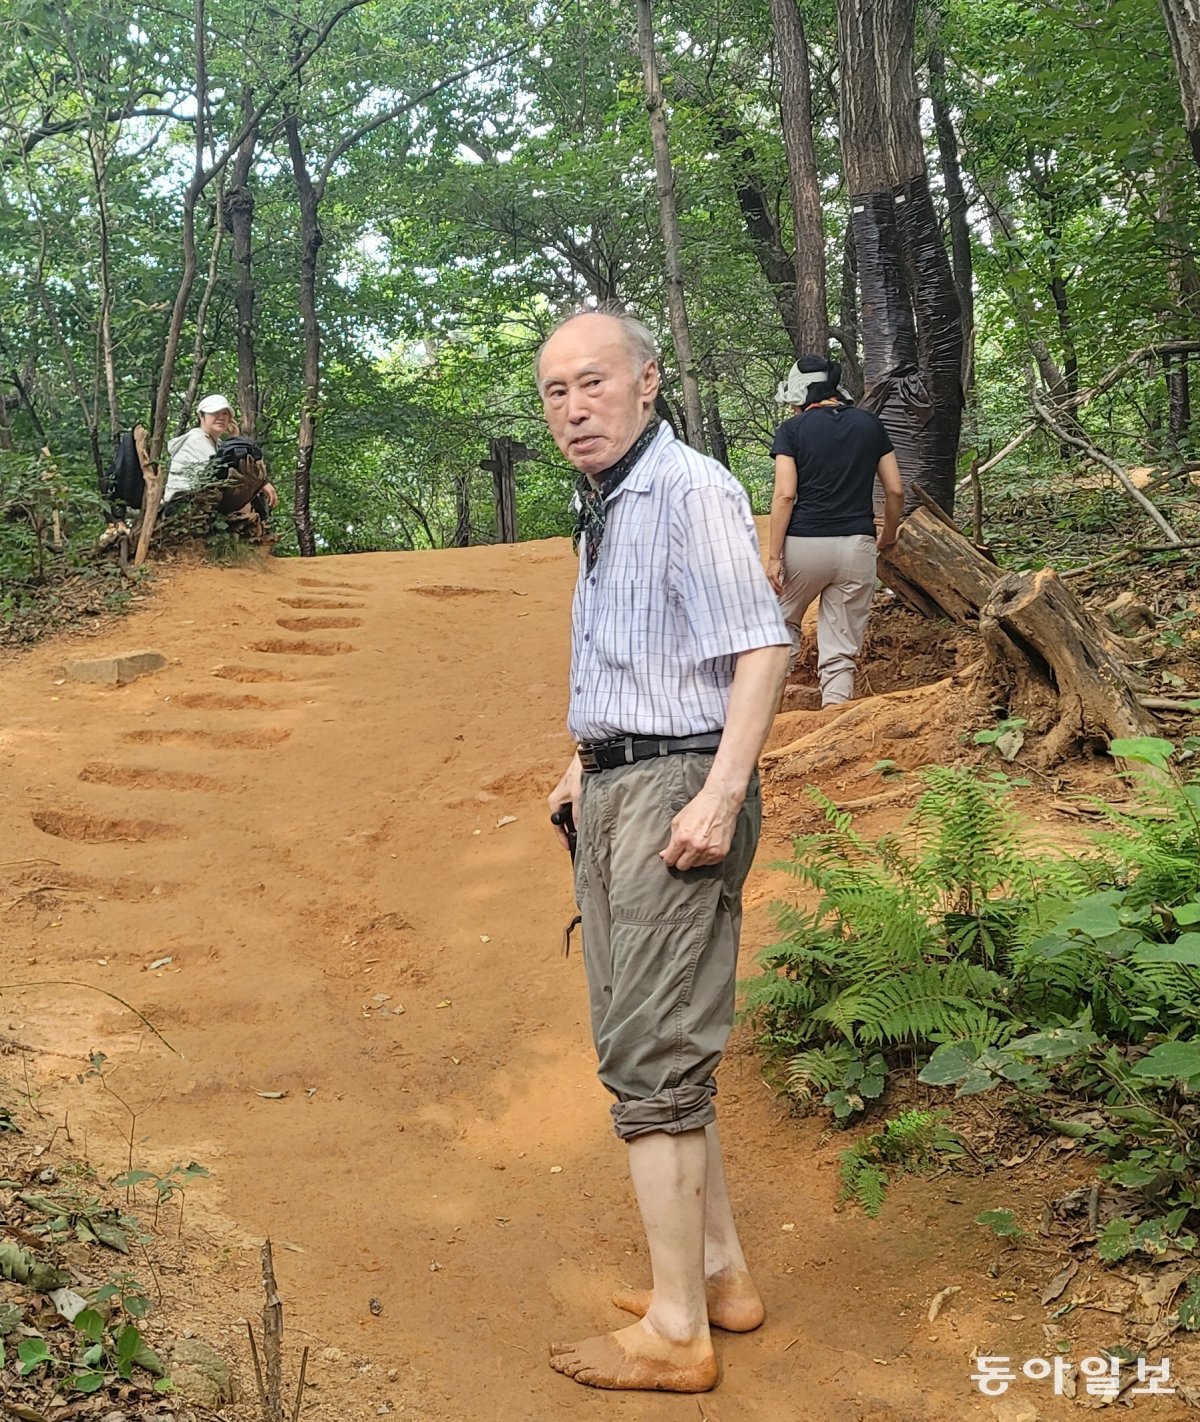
<point x="783" y="442"/>
<point x="727" y="602"/>
<point x="885" y="440"/>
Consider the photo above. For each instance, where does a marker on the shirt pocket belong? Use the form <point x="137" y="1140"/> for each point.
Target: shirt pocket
<point x="622" y="630"/>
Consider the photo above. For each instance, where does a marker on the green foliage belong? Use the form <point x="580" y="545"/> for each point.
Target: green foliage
<point x="910" y="942"/>
<point x="911" y="1141"/>
<point x="1001" y="1223"/>
<point x="1006" y="737"/>
<point x="993" y="966"/>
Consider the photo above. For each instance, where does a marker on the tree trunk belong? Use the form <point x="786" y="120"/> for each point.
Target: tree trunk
<point x="848" y="335"/>
<point x="1183" y="26"/>
<point x="162" y="400"/>
<point x="809" y="332"/>
<point x="912" y="326"/>
<point x="777" y="264"/>
<point x="310" y="244"/>
<point x="956" y="208"/>
<point x="672" y="246"/>
<point x="239" y="212"/>
<point x="199" y="356"/>
<point x="1046" y="656"/>
<point x="462" y="510"/>
<point x="1038" y="634"/>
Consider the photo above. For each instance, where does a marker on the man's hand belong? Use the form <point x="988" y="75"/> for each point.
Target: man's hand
<point x="272" y="496"/>
<point x="886" y="539"/>
<point x="775" y="573"/>
<point x="702" y="832"/>
<point x="566" y="792"/>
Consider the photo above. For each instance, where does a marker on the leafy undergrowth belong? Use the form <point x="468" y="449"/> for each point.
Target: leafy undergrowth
<point x="79" y="1285"/>
<point x="1064" y="988"/>
<point x="71" y="599"/>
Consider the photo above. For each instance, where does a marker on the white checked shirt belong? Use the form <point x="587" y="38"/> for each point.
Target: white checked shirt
<point x="677" y="593"/>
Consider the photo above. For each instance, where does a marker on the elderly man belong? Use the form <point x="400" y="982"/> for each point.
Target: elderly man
<point x="678" y="657"/>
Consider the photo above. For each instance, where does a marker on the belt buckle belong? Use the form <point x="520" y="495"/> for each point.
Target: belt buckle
<point x="629" y="758"/>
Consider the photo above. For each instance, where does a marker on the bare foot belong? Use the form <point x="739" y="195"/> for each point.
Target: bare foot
<point x="734" y="1303"/>
<point x="638" y="1358"/>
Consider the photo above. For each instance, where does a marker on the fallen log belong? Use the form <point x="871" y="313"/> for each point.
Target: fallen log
<point x="937" y="571"/>
<point x="1047" y="658"/>
<point x="1042" y="639"/>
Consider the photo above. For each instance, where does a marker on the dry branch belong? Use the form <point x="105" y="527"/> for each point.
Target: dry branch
<point x="152" y="478"/>
<point x="1067" y="436"/>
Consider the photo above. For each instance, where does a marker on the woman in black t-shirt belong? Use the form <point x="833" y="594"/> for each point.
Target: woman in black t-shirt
<point x="823" y="540"/>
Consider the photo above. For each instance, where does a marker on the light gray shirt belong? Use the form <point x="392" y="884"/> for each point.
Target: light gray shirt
<point x="191" y="454"/>
<point x="677" y="594"/>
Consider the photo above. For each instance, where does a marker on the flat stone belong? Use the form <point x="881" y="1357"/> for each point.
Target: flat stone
<point x="115" y="671"/>
<point x="199" y="1373"/>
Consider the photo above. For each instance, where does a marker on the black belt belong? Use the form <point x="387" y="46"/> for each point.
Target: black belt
<point x="625" y="750"/>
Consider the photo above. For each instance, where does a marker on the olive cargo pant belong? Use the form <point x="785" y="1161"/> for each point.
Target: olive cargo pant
<point x="659" y="945"/>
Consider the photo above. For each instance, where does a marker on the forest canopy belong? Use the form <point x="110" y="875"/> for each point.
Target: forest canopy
<point x="359" y="219"/>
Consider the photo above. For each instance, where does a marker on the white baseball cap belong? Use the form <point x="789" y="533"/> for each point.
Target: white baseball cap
<point x="213" y="404"/>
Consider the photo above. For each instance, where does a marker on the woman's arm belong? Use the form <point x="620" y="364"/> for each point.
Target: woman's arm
<point x="888" y="474"/>
<point x="782" y="502"/>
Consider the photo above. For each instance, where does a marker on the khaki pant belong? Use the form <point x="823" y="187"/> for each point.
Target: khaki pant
<point x="659" y="945"/>
<point x="841" y="572"/>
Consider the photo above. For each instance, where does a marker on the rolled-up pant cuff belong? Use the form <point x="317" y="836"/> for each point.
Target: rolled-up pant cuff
<point x="674" y="1110"/>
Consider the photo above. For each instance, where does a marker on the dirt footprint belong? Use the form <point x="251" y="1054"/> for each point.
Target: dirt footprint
<point x="93" y="829"/>
<point x="452" y="590"/>
<point x="218" y="701"/>
<point x="219" y="740"/>
<point x="326" y="604"/>
<point x="232" y="673"/>
<point x="317" y="583"/>
<point x="281" y="647"/>
<point x="316" y="624"/>
<point x="134" y="777"/>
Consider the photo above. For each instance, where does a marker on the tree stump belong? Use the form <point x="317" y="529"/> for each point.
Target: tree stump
<point x="937" y="571"/>
<point x="1039" y="637"/>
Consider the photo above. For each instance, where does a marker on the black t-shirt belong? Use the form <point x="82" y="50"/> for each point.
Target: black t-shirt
<point x="837" y="449"/>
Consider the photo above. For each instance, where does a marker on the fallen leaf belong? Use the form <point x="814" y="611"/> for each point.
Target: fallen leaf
<point x="434" y="1266"/>
<point x="941" y="1299"/>
<point x="556" y="1170"/>
<point x="787" y="1228"/>
<point x="68" y="1303"/>
<point x="159" y="963"/>
<point x="507" y="820"/>
<point x="484" y="938"/>
<point x="445" y="1002"/>
<point x="376" y="1307"/>
<point x="271" y="1095"/>
<point x="1058" y="1284"/>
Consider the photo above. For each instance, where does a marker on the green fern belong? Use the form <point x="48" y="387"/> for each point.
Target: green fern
<point x="911" y="1141"/>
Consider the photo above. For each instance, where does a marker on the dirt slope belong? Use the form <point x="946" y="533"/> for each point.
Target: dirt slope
<point x="301" y="812"/>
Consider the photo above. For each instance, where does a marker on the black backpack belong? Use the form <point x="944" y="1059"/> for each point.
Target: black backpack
<point x="123" y="480"/>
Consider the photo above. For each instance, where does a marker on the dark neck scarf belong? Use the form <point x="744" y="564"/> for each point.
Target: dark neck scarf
<point x="593" y="496"/>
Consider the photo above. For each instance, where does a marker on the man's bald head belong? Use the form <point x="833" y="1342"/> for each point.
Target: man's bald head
<point x="637" y="338"/>
<point x="598" y="378"/>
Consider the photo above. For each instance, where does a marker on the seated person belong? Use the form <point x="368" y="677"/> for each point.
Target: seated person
<point x="200" y="458"/>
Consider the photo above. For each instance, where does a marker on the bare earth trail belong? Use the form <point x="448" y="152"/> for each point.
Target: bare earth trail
<point x="301" y="813"/>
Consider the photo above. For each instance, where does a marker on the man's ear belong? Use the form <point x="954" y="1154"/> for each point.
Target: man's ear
<point x="649" y="381"/>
